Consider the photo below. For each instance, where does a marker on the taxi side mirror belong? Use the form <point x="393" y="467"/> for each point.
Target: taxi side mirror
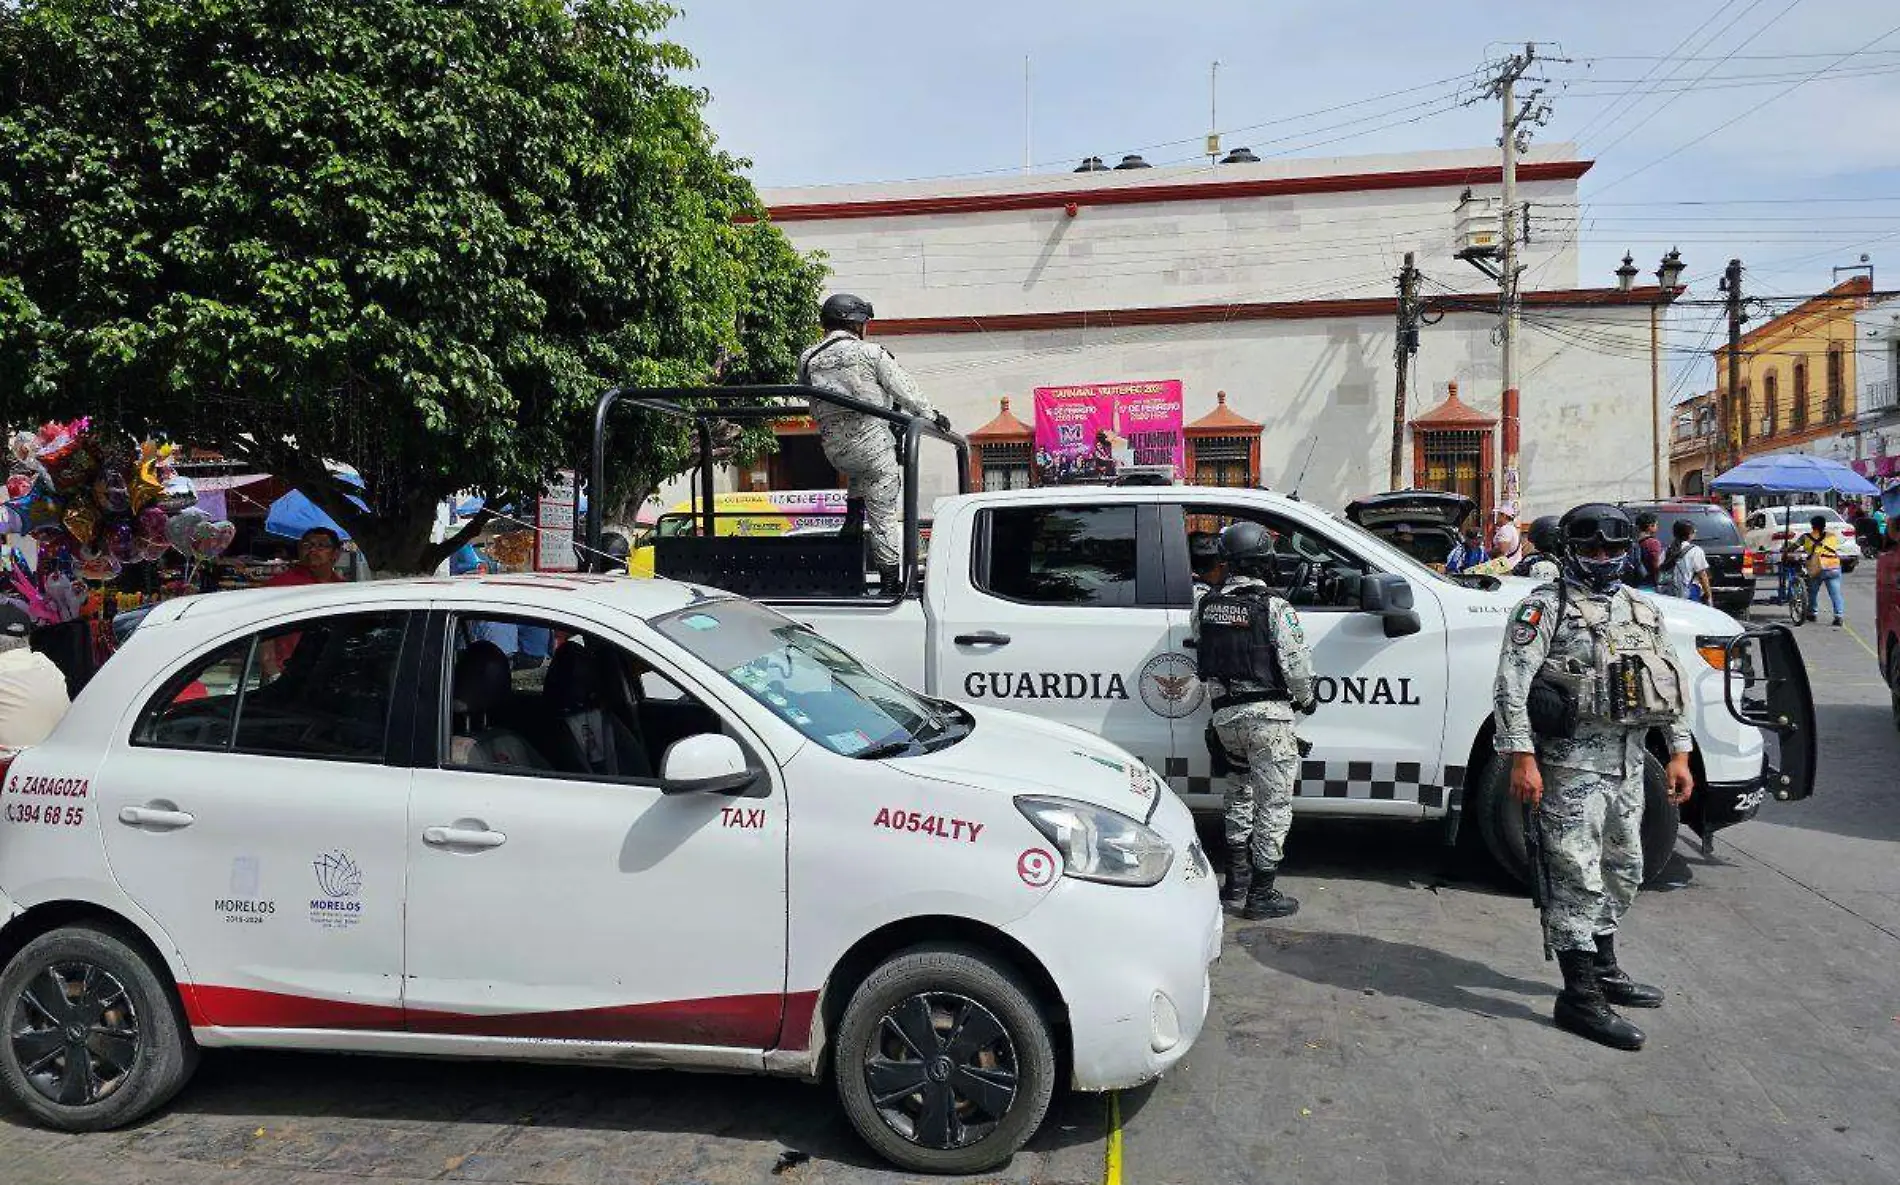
<point x="1390" y="596"/>
<point x="709" y="763"/>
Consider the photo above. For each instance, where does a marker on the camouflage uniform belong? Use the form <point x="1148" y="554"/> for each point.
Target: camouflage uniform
<point x="863" y="447"/>
<point x="1538" y="567"/>
<point x="1260" y="797"/>
<point x="1591" y="816"/>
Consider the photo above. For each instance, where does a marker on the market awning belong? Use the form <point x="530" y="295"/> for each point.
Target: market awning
<point x="293" y="514"/>
<point x="1792" y="473"/>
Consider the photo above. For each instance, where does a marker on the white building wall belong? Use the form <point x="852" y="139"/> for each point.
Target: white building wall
<point x="1329" y="385"/>
<point x="1323" y="383"/>
<point x="1297" y="247"/>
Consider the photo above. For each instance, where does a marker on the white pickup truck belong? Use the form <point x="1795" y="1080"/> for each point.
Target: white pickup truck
<point x="1072" y="603"/>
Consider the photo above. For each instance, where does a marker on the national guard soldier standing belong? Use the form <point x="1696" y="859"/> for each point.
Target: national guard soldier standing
<point x="1546" y="545"/>
<point x="1587" y="671"/>
<point x="861" y="447"/>
<point x="1252" y="653"/>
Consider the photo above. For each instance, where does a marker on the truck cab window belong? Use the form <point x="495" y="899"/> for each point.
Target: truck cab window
<point x="1060" y="555"/>
<point x="1317" y="573"/>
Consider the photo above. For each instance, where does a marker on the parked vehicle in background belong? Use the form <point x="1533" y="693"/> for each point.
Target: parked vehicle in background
<point x="750" y="513"/>
<point x="1733" y="569"/>
<point x="1424" y="524"/>
<point x="1769" y="529"/>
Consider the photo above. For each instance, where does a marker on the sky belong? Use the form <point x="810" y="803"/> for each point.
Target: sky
<point x="1765" y="130"/>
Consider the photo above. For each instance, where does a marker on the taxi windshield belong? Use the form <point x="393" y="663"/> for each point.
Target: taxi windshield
<point x="812" y="684"/>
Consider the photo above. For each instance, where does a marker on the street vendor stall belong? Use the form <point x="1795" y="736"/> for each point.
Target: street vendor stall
<point x="96" y="523"/>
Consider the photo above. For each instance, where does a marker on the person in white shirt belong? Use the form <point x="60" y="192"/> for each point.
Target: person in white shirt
<point x="1685" y="566"/>
<point x="32" y="689"/>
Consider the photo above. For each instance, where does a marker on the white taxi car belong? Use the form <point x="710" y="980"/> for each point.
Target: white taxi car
<point x="370" y="818"/>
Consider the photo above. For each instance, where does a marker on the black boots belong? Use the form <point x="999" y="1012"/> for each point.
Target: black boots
<point x="853" y="517"/>
<point x="1233" y="894"/>
<point x="1581" y="1008"/>
<point x="1265" y="901"/>
<point x="889" y="582"/>
<point x="1618" y="987"/>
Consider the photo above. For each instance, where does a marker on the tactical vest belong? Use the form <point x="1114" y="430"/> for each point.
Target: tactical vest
<point x="1236" y="646"/>
<point x="1630" y="678"/>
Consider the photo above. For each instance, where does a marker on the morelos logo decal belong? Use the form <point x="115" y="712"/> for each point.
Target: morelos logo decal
<point x="1170" y="687"/>
<point x="340" y="880"/>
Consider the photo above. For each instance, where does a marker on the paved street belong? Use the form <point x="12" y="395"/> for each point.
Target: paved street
<point x="1397" y="1030"/>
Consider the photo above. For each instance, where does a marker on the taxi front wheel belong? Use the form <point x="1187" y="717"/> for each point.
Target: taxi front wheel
<point x="944" y="1062"/>
<point x="93" y="1038"/>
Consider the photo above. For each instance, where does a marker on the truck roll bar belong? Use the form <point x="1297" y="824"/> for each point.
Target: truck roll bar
<point x="750" y="403"/>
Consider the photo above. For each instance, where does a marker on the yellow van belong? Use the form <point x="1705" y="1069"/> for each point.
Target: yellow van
<point x="772" y="512"/>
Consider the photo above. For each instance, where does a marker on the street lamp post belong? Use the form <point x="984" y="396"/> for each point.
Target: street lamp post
<point x="1668" y="278"/>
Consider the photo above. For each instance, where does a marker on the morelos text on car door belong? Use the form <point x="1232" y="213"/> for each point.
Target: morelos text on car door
<point x="252" y="809"/>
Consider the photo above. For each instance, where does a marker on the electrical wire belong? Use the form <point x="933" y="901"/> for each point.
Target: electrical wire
<point x="1670" y="155"/>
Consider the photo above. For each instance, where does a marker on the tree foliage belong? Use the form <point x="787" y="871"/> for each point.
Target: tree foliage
<point x="411" y="236"/>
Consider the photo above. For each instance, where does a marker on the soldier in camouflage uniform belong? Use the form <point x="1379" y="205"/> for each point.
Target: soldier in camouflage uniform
<point x="1253" y="656"/>
<point x="1597" y="660"/>
<point x="1546" y="544"/>
<point x="862" y="447"/>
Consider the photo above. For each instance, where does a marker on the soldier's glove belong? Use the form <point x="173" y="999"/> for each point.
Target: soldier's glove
<point x="1309" y="707"/>
<point x="942" y="421"/>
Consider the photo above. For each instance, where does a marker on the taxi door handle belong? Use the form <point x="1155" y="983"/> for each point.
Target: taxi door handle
<point x="155" y="816"/>
<point x="462" y="837"/>
<point x="982" y="638"/>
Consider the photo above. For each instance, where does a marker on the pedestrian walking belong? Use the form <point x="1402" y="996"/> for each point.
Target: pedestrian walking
<point x="862" y="447"/>
<point x="1586" y="672"/>
<point x="1648" y="557"/>
<point x="1685" y="566"/>
<point x="1253" y="655"/>
<point x="1820" y="552"/>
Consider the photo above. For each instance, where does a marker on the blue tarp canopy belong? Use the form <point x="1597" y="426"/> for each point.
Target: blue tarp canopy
<point x="1792" y="473"/>
<point x="467" y="507"/>
<point x="293" y="514"/>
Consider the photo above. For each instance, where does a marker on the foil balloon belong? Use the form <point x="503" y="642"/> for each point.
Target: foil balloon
<point x="149" y="533"/>
<point x="97" y="564"/>
<point x="209" y="540"/>
<point x="81" y="519"/>
<point x="19" y="485"/>
<point x="111" y="494"/>
<point x="120" y="541"/>
<point x="182" y="526"/>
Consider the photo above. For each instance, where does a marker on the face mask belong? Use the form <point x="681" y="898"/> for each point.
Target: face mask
<point x="1597" y="575"/>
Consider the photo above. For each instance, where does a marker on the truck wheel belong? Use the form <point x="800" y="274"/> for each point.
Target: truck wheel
<point x="93" y="1038"/>
<point x="944" y="1062"/>
<point x="1501" y="821"/>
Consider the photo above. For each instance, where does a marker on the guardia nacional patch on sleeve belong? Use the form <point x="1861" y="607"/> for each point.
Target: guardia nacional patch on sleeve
<point x="1524" y="622"/>
<point x="1291" y="621"/>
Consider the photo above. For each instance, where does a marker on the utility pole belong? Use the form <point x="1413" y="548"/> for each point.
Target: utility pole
<point x="1516" y="123"/>
<point x="1655" y="403"/>
<point x="1730" y="406"/>
<point x="1405" y="345"/>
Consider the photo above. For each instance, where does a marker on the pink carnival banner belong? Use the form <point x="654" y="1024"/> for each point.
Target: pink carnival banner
<point x="1094" y="430"/>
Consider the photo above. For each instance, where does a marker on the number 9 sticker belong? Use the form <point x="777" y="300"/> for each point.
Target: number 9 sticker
<point x="1036" y="867"/>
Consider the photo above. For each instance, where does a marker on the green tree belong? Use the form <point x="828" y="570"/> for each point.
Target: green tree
<point x="411" y="236"/>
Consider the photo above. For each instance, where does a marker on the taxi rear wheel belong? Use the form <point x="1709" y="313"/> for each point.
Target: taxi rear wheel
<point x="944" y="1061"/>
<point x="92" y="1038"/>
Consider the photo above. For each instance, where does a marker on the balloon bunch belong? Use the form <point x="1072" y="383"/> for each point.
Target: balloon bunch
<point x="95" y="500"/>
